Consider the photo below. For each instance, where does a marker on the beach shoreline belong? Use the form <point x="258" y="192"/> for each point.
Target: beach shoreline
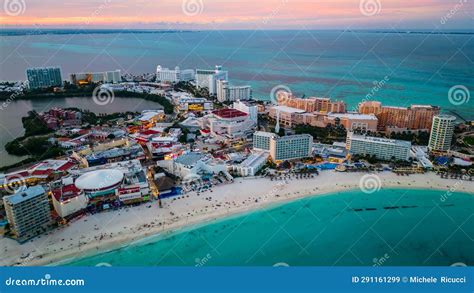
<point x="112" y="230"/>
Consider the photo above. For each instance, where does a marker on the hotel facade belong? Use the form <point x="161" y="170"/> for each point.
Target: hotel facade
<point x="381" y="148"/>
<point x="174" y="75"/>
<point x="82" y="78"/>
<point x="208" y="78"/>
<point x="28" y="212"/>
<point x="43" y="77"/>
<point x="226" y="92"/>
<point x="282" y="148"/>
<point x="396" y="119"/>
<point x="442" y="133"/>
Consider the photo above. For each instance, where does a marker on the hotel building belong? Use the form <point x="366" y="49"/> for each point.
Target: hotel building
<point x="68" y="200"/>
<point x="313" y="104"/>
<point x="83" y="78"/>
<point x="226" y="92"/>
<point x="43" y="77"/>
<point x="251" y="165"/>
<point x="261" y="140"/>
<point x="227" y="123"/>
<point x="208" y="78"/>
<point x="247" y="107"/>
<point x="174" y="75"/>
<point x="441" y="133"/>
<point x="415" y="117"/>
<point x="288" y="116"/>
<point x="381" y="148"/>
<point x="285" y="147"/>
<point x="352" y="121"/>
<point x="28" y="212"/>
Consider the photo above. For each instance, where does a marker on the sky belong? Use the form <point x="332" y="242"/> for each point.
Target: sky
<point x="242" y="14"/>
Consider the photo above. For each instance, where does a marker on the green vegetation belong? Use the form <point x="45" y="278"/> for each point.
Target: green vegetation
<point x="35" y="142"/>
<point x="420" y="138"/>
<point x="37" y="147"/>
<point x="33" y="125"/>
<point x="469" y="140"/>
<point x="197" y="92"/>
<point x="328" y="134"/>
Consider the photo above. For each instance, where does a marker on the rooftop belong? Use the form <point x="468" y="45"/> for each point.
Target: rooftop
<point x="354" y="116"/>
<point x="99" y="179"/>
<point x="189" y="159"/>
<point x="288" y="109"/>
<point x="25" y="195"/>
<point x="229" y="113"/>
<point x="380" y="140"/>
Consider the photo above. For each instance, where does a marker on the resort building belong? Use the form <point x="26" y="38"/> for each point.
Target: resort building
<point x="352" y="121"/>
<point x="208" y="78"/>
<point x="68" y="200"/>
<point x="83" y="78"/>
<point x="226" y="92"/>
<point x="227" y="124"/>
<point x="370" y="107"/>
<point x="285" y="147"/>
<point x="57" y="117"/>
<point x="174" y="75"/>
<point x="185" y="102"/>
<point x="291" y="147"/>
<point x="381" y="148"/>
<point x="192" y="166"/>
<point x="397" y="119"/>
<point x="247" y="107"/>
<point x="252" y="164"/>
<point x="43" y="77"/>
<point x="313" y="104"/>
<point x="442" y="133"/>
<point x="261" y="140"/>
<point x="287" y="116"/>
<point x="28" y="212"/>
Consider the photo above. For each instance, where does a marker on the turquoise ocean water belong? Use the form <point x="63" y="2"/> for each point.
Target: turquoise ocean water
<point x="390" y="227"/>
<point x="420" y="68"/>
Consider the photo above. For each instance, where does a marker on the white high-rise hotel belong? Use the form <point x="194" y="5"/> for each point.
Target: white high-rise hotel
<point x="226" y="92"/>
<point x="283" y="148"/>
<point x="208" y="78"/>
<point x="174" y="75"/>
<point x="442" y="131"/>
<point x="381" y="148"/>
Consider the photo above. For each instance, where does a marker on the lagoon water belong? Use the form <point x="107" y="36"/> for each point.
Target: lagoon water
<point x="394" y="227"/>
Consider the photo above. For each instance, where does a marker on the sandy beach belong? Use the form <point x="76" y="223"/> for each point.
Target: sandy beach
<point x="107" y="230"/>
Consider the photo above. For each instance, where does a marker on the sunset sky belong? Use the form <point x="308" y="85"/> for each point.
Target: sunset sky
<point x="242" y="14"/>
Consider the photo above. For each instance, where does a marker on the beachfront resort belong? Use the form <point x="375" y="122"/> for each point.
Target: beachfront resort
<point x="211" y="149"/>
